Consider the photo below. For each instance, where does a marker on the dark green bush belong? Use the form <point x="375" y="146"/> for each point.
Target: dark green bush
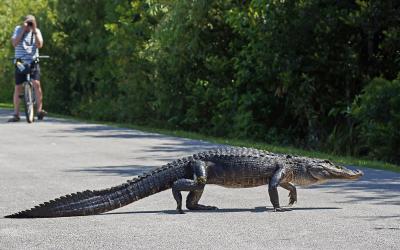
<point x="377" y="110"/>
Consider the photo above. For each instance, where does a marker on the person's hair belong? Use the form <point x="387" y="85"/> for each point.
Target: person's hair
<point x="31" y="18"/>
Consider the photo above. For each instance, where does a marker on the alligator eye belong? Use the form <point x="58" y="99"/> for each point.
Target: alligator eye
<point x="339" y="167"/>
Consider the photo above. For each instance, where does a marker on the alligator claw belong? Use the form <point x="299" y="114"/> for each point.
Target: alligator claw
<point x="292" y="199"/>
<point x="291" y="202"/>
<point x="201" y="207"/>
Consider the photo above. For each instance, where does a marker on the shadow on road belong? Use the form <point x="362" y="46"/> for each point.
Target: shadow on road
<point x="127" y="171"/>
<point x="379" y="187"/>
<point x="180" y="144"/>
<point x="104" y="131"/>
<point x="223" y="210"/>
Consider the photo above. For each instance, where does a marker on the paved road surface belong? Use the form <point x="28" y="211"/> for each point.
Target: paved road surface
<point x="44" y="160"/>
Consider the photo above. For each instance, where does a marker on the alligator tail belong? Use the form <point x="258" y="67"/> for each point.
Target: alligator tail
<point x="96" y="202"/>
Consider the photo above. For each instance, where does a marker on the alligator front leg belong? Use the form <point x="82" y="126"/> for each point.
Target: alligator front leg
<point x="273" y="189"/>
<point x="195" y="188"/>
<point x="292" y="192"/>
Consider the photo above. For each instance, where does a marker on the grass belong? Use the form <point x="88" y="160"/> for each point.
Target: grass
<point x="345" y="160"/>
<point x="6" y="105"/>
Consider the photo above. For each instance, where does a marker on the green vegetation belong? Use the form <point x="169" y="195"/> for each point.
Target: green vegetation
<point x="319" y="75"/>
<point x="6" y="105"/>
<point x="377" y="110"/>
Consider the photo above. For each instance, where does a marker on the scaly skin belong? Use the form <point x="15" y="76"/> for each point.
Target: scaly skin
<point x="228" y="167"/>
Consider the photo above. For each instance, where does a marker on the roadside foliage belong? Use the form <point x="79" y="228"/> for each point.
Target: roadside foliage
<point x="316" y="74"/>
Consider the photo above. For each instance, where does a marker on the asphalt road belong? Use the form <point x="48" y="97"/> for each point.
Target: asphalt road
<point x="45" y="160"/>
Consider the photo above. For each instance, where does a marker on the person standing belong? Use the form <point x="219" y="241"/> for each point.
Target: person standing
<point x="27" y="40"/>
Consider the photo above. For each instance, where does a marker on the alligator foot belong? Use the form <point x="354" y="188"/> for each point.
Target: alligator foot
<point x="292" y="192"/>
<point x="280" y="209"/>
<point x="180" y="211"/>
<point x="292" y="198"/>
<point x="201" y="207"/>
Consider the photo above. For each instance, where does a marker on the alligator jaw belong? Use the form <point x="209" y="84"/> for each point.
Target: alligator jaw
<point x="345" y="174"/>
<point x="355" y="175"/>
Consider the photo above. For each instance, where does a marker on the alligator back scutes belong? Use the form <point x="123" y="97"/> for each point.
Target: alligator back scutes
<point x="226" y="152"/>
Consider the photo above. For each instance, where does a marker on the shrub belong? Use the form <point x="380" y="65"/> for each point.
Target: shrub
<point x="377" y="110"/>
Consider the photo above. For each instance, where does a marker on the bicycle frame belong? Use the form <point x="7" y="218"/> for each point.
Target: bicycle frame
<point x="29" y="99"/>
<point x="29" y="96"/>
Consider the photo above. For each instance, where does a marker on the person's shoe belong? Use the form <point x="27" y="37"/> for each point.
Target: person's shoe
<point x="41" y="114"/>
<point x="15" y="118"/>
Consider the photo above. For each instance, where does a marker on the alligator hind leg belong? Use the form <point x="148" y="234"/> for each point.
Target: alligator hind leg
<point x="195" y="187"/>
<point x="183" y="185"/>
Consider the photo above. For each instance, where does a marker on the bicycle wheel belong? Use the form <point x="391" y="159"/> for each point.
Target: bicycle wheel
<point x="29" y="102"/>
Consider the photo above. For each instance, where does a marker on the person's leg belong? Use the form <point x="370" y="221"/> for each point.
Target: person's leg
<point x="39" y="95"/>
<point x="18" y="89"/>
<point x="35" y="76"/>
<point x="17" y="92"/>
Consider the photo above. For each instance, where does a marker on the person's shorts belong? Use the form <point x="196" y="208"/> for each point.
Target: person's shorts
<point x="35" y="75"/>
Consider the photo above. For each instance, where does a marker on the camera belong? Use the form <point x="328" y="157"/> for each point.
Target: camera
<point x="30" y="24"/>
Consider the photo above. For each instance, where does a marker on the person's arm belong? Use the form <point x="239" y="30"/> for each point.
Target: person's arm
<point x="39" y="38"/>
<point x="38" y="35"/>
<point x="18" y="34"/>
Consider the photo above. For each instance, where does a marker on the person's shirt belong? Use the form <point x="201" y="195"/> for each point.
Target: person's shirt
<point x="26" y="49"/>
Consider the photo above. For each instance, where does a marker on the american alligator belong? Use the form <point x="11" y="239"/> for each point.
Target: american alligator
<point x="230" y="167"/>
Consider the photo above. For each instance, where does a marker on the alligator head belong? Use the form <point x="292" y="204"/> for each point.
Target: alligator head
<point x="319" y="171"/>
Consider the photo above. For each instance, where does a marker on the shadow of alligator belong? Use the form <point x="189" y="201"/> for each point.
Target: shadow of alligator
<point x="222" y="210"/>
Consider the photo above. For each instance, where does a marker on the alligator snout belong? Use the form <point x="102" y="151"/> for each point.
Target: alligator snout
<point x="357" y="173"/>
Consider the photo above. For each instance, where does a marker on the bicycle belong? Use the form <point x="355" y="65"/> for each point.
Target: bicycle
<point x="28" y="95"/>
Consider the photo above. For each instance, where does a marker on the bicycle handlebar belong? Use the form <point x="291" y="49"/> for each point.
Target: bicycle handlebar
<point x="34" y="58"/>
